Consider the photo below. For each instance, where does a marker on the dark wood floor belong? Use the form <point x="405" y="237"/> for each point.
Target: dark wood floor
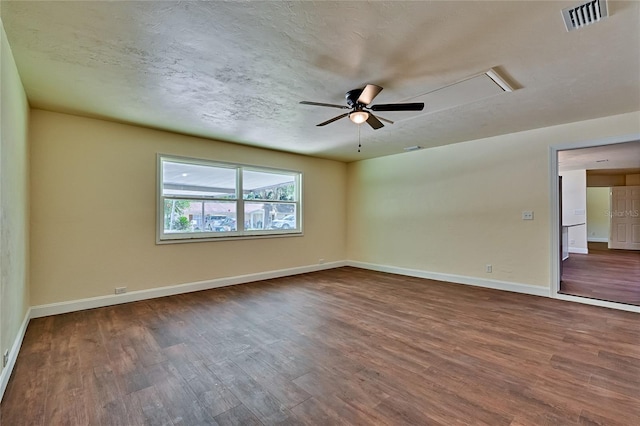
<point x="343" y="346"/>
<point x="612" y="275"/>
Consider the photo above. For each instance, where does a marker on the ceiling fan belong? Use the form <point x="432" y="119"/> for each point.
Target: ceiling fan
<point x="358" y="100"/>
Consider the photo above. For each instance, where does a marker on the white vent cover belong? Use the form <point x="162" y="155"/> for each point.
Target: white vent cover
<point x="585" y="14"/>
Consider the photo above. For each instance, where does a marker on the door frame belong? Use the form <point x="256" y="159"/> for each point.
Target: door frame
<point x="554" y="207"/>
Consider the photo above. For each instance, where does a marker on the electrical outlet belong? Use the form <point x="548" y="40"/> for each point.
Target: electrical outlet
<point x="121" y="290"/>
<point x="527" y="215"/>
<point x="320" y="261"/>
<point x="5" y="358"/>
<point x="488" y="268"/>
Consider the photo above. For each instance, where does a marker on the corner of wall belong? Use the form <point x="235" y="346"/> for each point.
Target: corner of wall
<point x="14" y="209"/>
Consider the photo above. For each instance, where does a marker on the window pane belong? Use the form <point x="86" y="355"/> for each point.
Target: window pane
<point x="268" y="186"/>
<point x="220" y="216"/>
<point x="255" y="215"/>
<point x="197" y="180"/>
<point x="182" y="216"/>
<point x="259" y="216"/>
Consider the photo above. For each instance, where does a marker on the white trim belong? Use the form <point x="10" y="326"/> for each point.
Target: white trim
<point x="554" y="220"/>
<point x="455" y="279"/>
<point x="578" y="250"/>
<point x="554" y="211"/>
<point x="598" y="240"/>
<point x="13" y="354"/>
<point x="596" y="302"/>
<point x="134" y="296"/>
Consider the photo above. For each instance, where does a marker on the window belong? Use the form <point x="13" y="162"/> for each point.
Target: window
<point x="199" y="199"/>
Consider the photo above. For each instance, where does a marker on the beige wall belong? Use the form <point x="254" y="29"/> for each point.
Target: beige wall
<point x="14" y="208"/>
<point x="456" y="208"/>
<point x="94" y="211"/>
<point x="598" y="214"/>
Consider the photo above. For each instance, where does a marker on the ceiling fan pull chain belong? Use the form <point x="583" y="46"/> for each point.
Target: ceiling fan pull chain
<point x="359" y="143"/>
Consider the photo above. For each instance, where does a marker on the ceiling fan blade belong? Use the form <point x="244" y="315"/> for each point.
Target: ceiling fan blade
<point x="418" y="106"/>
<point x="333" y="119"/>
<point x="384" y="119"/>
<point x="324" y="105"/>
<point x="374" y="122"/>
<point x="368" y="93"/>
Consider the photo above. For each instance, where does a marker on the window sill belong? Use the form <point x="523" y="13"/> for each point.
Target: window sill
<point x="228" y="238"/>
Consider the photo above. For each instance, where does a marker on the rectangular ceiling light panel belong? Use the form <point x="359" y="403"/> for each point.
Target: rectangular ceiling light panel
<point x="461" y="93"/>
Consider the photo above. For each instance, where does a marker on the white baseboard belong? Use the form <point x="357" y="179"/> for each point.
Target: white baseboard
<point x="578" y="250"/>
<point x="456" y="279"/>
<point x="597" y="240"/>
<point x="13" y="354"/>
<point x="134" y="296"/>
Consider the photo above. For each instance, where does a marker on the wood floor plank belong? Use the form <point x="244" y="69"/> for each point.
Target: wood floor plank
<point x="238" y="416"/>
<point x="430" y="393"/>
<point x="331" y="410"/>
<point x="213" y="395"/>
<point x="151" y="406"/>
<point x="101" y="396"/>
<point x="284" y="361"/>
<point x="400" y="411"/>
<point x="314" y="412"/>
<point x="283" y="389"/>
<point x="252" y="395"/>
<point x="341" y="346"/>
<point x="27" y="389"/>
<point x="131" y="374"/>
<point x="216" y="397"/>
<point x="180" y="402"/>
<point x="324" y="383"/>
<point x="604" y="274"/>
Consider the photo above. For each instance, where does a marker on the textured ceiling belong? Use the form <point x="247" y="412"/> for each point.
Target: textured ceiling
<point x="236" y="71"/>
<point x="621" y="156"/>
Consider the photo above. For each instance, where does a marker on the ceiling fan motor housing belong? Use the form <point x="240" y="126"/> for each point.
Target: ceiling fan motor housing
<point x="352" y="98"/>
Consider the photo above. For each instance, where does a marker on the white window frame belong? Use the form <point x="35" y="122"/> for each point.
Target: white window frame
<point x="240" y="232"/>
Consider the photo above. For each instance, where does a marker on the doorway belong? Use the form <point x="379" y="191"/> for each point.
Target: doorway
<point x="593" y="273"/>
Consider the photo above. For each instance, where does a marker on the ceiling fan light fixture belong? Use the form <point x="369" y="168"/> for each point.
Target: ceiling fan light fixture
<point x="359" y="117"/>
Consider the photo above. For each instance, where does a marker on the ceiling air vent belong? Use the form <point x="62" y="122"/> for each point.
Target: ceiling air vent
<point x="586" y="14"/>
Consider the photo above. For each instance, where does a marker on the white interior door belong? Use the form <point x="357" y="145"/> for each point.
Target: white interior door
<point x="625" y="218"/>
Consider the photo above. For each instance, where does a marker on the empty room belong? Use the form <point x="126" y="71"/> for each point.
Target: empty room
<point x="336" y="212"/>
